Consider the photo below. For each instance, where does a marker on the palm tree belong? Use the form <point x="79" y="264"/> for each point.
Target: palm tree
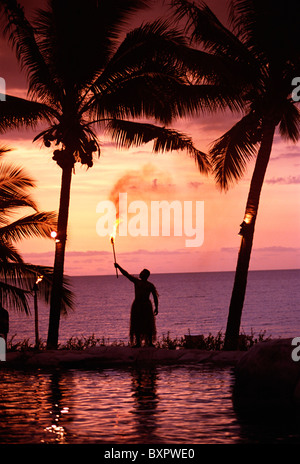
<point x="262" y="47"/>
<point x="17" y="277"/>
<point x="88" y="79"/>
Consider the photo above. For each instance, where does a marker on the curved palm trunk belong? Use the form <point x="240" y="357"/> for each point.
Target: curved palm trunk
<point x="247" y="232"/>
<point x="58" y="270"/>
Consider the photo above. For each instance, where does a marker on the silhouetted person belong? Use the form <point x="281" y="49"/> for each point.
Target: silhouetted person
<point x="4" y="323"/>
<point x="142" y="322"/>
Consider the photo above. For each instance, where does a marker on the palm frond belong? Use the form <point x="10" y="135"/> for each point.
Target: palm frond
<point x="14" y="297"/>
<point x="289" y="126"/>
<point x="21" y="34"/>
<point x="35" y="225"/>
<point x="16" y="112"/>
<point x="22" y="276"/>
<point x="15" y="272"/>
<point x="9" y="204"/>
<point x="147" y="77"/>
<point x="145" y="44"/>
<point x="267" y="28"/>
<point x="14" y="184"/>
<point x="27" y="274"/>
<point x="162" y="97"/>
<point x="4" y="150"/>
<point x="141" y="94"/>
<point x="45" y="286"/>
<point x="14" y="179"/>
<point x="231" y="152"/>
<point x="8" y="254"/>
<point x="204" y="27"/>
<point x="209" y="98"/>
<point x="77" y="46"/>
<point x="128" y="133"/>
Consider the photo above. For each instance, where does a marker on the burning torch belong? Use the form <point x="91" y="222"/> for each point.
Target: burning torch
<point x="112" y="241"/>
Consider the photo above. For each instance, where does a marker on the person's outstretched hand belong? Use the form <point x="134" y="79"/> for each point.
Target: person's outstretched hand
<point x="116" y="265"/>
<point x="156" y="312"/>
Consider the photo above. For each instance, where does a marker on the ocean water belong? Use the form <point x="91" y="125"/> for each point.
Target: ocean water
<point x="194" y="302"/>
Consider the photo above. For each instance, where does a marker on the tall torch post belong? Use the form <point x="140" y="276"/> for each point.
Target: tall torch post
<point x="36" y="316"/>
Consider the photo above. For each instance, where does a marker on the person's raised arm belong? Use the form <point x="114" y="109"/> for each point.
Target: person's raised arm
<point x="125" y="273"/>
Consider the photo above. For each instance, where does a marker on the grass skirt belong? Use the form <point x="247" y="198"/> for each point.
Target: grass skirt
<point x="142" y="322"/>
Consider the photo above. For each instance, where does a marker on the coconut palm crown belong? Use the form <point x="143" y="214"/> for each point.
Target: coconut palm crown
<point x="262" y="46"/>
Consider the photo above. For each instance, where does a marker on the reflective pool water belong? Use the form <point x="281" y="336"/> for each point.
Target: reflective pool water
<point x="178" y="405"/>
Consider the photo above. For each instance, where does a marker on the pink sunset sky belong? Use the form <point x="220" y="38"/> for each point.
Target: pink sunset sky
<point x="168" y="176"/>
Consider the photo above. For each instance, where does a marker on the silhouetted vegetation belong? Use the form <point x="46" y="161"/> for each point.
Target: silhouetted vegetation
<point x="201" y="342"/>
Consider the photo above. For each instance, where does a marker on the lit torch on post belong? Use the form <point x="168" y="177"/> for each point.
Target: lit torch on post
<point x="36" y="317"/>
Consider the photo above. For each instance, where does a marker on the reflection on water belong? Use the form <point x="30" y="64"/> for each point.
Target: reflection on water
<point x="139" y="405"/>
<point x="145" y="414"/>
<point x="32" y="406"/>
<point x="57" y="398"/>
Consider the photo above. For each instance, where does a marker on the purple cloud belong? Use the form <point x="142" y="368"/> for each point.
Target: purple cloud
<point x="284" y="180"/>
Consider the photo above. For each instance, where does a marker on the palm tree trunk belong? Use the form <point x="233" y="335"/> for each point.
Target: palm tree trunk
<point x="58" y="270"/>
<point x="247" y="232"/>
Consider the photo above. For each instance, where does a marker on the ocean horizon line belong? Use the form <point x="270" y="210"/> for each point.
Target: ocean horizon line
<point x="185" y="272"/>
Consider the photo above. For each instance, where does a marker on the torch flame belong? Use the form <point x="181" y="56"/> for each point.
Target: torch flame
<point x="114" y="232"/>
<point x="39" y="279"/>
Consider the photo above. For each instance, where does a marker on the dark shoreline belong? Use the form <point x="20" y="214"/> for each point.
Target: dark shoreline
<point x="116" y="356"/>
